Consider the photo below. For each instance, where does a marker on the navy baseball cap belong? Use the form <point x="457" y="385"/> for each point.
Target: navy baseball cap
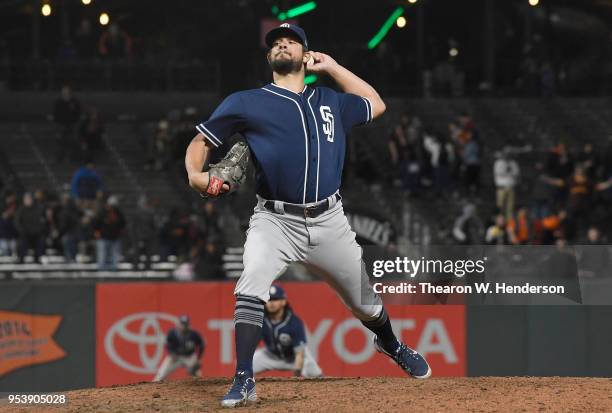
<point x="277" y="293"/>
<point x="286" y="29"/>
<point x="184" y="320"/>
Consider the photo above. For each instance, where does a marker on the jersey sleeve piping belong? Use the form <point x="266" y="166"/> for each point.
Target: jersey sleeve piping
<point x="368" y="110"/>
<point x="208" y="135"/>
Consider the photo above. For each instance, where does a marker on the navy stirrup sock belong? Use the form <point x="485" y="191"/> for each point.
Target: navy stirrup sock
<point x="381" y="326"/>
<point x="248" y="319"/>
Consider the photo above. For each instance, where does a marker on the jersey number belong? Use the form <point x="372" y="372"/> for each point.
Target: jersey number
<point x="328" y="122"/>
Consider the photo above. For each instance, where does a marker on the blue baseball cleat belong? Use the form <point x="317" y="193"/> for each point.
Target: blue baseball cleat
<point x="409" y="360"/>
<point x="241" y="392"/>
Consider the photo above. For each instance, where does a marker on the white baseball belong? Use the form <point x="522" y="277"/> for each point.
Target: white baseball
<point x="310" y="61"/>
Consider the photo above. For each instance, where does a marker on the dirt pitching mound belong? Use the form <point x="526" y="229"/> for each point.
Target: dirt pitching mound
<point x="485" y="394"/>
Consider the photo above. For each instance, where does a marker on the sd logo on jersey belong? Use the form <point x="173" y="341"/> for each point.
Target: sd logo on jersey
<point x="285" y="339"/>
<point x="328" y="125"/>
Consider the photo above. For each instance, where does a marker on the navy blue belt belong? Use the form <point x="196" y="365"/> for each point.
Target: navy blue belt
<point x="308" y="212"/>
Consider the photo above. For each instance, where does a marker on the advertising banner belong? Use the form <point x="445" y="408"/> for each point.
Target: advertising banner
<point x="47" y="336"/>
<point x="133" y="319"/>
<point x="27" y="339"/>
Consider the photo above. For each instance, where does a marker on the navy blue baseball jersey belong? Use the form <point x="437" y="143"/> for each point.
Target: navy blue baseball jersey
<point x="298" y="140"/>
<point x="285" y="337"/>
<point x="184" y="344"/>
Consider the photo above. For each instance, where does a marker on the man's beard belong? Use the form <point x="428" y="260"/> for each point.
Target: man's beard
<point x="285" y="66"/>
<point x="276" y="313"/>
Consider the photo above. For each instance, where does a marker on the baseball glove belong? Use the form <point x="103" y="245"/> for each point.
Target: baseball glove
<point x="231" y="170"/>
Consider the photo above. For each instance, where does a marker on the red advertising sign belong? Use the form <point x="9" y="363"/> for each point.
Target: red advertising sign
<point x="133" y="319"/>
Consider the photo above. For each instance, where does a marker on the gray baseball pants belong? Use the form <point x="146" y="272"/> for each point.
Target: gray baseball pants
<point x="325" y="244"/>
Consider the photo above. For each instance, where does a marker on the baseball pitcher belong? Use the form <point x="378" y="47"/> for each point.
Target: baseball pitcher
<point x="297" y="137"/>
<point x="185" y="348"/>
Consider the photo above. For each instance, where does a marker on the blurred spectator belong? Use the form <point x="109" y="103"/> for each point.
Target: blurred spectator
<point x="498" y="234"/>
<point x="468" y="228"/>
<point x="559" y="166"/>
<point x="85" y="40"/>
<point x="86" y="184"/>
<point x="51" y="207"/>
<point x="40" y="197"/>
<point x="412" y="129"/>
<point x="580" y="194"/>
<point x="30" y="225"/>
<point x="177" y="235"/>
<point x="8" y="232"/>
<point x="108" y="226"/>
<point x="208" y="262"/>
<point x="441" y="155"/>
<point x="159" y="147"/>
<point x="506" y="174"/>
<point x="467" y="128"/>
<point x="86" y="232"/>
<point x="567" y="227"/>
<point x="580" y="202"/>
<point x="115" y="43"/>
<point x="66" y="114"/>
<point x="472" y="162"/>
<point x="210" y="221"/>
<point x="550" y="224"/>
<point x="594" y="237"/>
<point x="594" y="256"/>
<point x="68" y="220"/>
<point x="405" y="122"/>
<point x="519" y="227"/>
<point x="412" y="172"/>
<point x="561" y="162"/>
<point x="543" y="191"/>
<point x="455" y="133"/>
<point x="90" y="136"/>
<point x="557" y="226"/>
<point x="589" y="161"/>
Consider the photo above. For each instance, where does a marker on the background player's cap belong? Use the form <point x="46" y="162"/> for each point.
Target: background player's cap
<point x="277" y="293"/>
<point x="184" y="320"/>
<point x="286" y="29"/>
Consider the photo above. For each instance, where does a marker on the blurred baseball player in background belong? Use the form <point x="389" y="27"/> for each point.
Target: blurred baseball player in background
<point x="297" y="137"/>
<point x="185" y="348"/>
<point x="284" y="337"/>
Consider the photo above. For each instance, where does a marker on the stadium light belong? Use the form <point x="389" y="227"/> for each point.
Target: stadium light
<point x="412" y="1"/>
<point x="385" y="28"/>
<point x="401" y="22"/>
<point x="104" y="19"/>
<point x="534" y="2"/>
<point x="297" y="11"/>
<point x="453" y="52"/>
<point x="46" y="10"/>
<point x="86" y="2"/>
<point x="310" y="79"/>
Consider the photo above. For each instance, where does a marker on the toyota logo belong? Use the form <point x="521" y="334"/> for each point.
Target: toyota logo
<point x="143" y="330"/>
